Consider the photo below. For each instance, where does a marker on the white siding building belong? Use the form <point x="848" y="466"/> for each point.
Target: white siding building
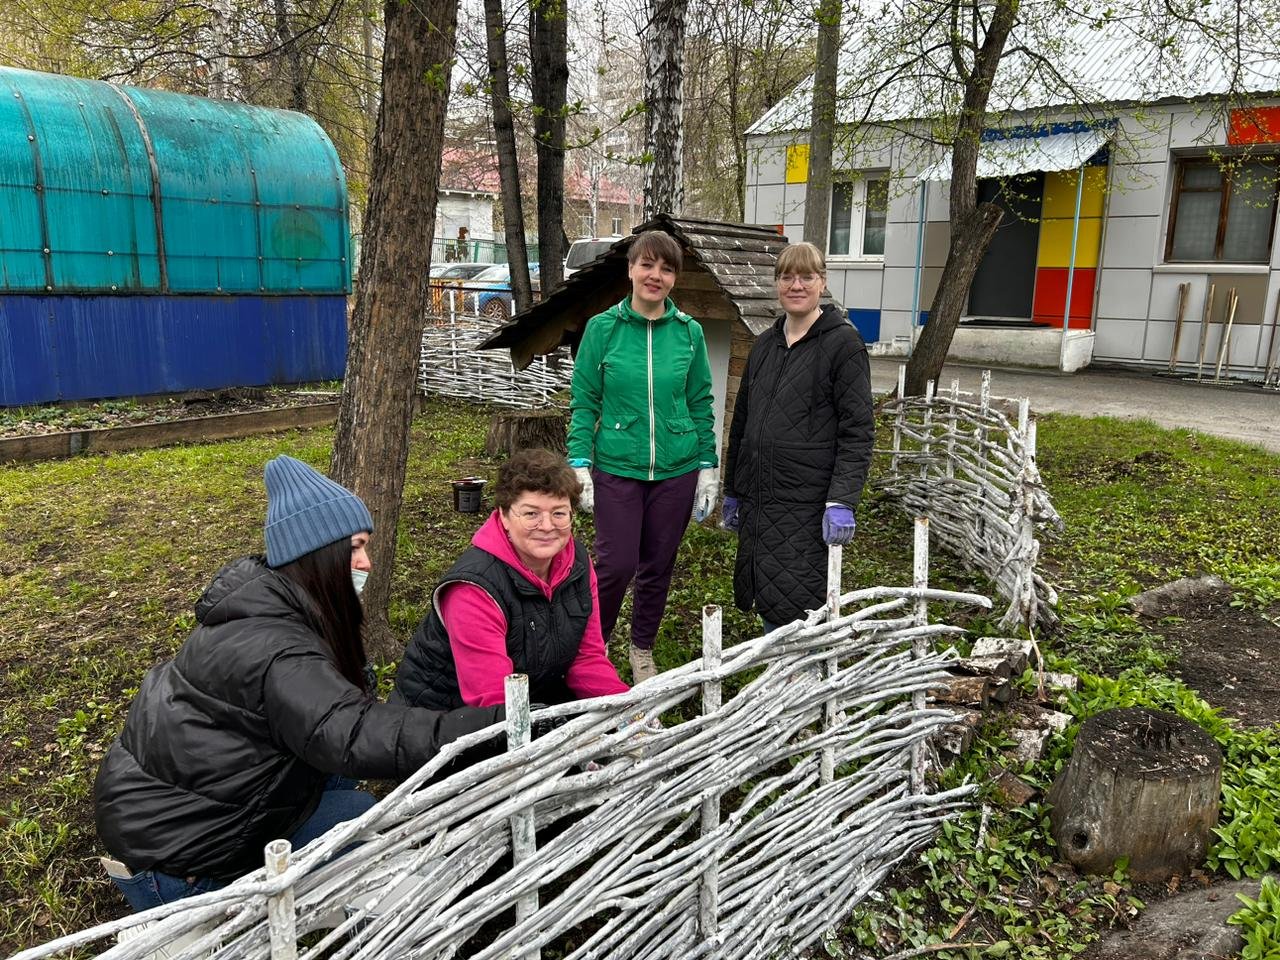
<point x="1130" y="204"/>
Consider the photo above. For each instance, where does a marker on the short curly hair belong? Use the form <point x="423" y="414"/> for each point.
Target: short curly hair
<point x="656" y="245"/>
<point x="535" y="470"/>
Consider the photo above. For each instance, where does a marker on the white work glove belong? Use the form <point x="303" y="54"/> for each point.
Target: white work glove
<point x="586" y="502"/>
<point x="704" y="496"/>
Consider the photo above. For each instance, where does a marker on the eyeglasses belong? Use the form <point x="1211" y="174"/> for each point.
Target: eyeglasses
<point x="806" y="280"/>
<point x="532" y="519"/>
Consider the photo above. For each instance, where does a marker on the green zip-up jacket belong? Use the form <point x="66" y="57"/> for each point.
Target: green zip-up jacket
<point x="641" y="404"/>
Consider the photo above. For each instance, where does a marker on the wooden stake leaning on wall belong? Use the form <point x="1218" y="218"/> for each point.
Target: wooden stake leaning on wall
<point x="1206" y="321"/>
<point x="1224" y="348"/>
<point x="920" y="644"/>
<point x="1271" y="345"/>
<point x="523" y="841"/>
<point x="1183" y="290"/>
<point x="281" y="919"/>
<point x="835" y="559"/>
<point x="709" y="892"/>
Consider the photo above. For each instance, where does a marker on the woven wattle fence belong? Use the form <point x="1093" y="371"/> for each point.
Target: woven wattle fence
<point x="790" y="787"/>
<point x="449" y="364"/>
<point x="963" y="463"/>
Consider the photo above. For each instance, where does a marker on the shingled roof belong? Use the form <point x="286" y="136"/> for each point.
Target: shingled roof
<point x="738" y="257"/>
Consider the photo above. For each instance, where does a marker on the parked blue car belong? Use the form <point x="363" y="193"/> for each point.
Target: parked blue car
<point x="489" y="293"/>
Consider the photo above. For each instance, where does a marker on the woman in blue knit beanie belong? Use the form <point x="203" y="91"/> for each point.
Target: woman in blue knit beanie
<point x="251" y="732"/>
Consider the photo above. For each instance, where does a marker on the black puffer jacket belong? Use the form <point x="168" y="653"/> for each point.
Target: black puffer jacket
<point x="228" y="745"/>
<point x="801" y="437"/>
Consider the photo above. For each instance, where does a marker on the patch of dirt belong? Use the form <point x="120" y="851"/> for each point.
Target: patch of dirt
<point x="1229" y="655"/>
<point x="38" y="421"/>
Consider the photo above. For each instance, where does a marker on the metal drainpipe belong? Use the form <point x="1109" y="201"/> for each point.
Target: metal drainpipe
<point x="1071" y="270"/>
<point x="915" y="292"/>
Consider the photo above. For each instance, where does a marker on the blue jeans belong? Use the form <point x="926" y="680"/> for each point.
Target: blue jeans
<point x="339" y="802"/>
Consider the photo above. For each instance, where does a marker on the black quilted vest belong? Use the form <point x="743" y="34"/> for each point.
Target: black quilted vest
<point x="543" y="636"/>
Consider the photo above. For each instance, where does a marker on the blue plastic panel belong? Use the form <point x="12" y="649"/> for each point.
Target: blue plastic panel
<point x="251" y="200"/>
<point x="867" y="323"/>
<point x="97" y="186"/>
<point x="87" y="347"/>
<point x="22" y="262"/>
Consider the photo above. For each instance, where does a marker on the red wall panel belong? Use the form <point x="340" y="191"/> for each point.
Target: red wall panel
<point x="1051" y="296"/>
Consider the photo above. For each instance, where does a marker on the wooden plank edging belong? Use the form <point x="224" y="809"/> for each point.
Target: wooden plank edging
<point x="223" y="426"/>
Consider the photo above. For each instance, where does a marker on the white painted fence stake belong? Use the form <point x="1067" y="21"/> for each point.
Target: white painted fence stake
<point x="453" y="334"/>
<point x="920" y="644"/>
<point x="281" y="920"/>
<point x="897" y="420"/>
<point x="926" y="445"/>
<point x="954" y="421"/>
<point x="835" y="558"/>
<point x="709" y="892"/>
<point x="523" y="841"/>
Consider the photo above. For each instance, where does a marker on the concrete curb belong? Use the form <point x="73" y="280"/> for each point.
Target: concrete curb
<point x="226" y="426"/>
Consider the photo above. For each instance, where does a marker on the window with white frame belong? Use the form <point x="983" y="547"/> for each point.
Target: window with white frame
<point x="859" y="208"/>
<point x="1224" y="210"/>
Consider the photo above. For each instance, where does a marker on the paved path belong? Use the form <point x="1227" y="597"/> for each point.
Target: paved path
<point x="1248" y="415"/>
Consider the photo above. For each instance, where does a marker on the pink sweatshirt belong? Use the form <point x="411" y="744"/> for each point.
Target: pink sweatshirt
<point x="478" y="630"/>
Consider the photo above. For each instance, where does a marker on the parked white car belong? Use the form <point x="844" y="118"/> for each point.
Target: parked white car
<point x="583" y="251"/>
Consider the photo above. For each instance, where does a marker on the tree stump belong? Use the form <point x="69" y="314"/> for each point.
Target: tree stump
<point x="512" y="430"/>
<point x="1141" y="784"/>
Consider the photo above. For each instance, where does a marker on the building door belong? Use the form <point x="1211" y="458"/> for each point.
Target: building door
<point x="1005" y="282"/>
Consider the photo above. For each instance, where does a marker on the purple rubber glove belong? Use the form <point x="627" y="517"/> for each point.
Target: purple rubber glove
<point x="838" y="524"/>
<point x="729" y="514"/>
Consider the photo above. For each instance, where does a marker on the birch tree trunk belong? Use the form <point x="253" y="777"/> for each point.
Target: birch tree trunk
<point x="664" y="108"/>
<point x="372" y="440"/>
<point x="549" y="47"/>
<point x="817" y="202"/>
<point x="972" y="224"/>
<point x="504" y="133"/>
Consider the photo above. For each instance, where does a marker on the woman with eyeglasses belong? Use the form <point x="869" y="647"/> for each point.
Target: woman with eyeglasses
<point x="799" y="445"/>
<point x="521" y="599"/>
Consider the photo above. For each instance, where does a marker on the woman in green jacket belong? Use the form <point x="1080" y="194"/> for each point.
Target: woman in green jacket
<point x="642" y="439"/>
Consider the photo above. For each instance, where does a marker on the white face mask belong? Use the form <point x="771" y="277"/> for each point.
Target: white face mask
<point x="358" y="578"/>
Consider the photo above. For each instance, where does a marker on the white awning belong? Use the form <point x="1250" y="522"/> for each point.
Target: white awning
<point x="1008" y="158"/>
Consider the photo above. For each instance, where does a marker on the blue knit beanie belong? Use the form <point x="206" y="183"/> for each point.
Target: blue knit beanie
<point x="306" y="511"/>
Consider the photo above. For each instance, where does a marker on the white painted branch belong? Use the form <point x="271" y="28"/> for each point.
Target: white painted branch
<point x="523" y="839"/>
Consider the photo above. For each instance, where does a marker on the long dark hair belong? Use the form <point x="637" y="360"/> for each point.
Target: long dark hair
<point x="325" y="575"/>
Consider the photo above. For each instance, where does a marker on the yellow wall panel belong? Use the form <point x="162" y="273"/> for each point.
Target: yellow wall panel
<point x="1060" y="193"/>
<point x="798" y="163"/>
<point x="1055" y="243"/>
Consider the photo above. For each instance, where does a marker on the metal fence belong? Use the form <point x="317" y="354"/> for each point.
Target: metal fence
<point x="788" y="785"/>
<point x="450" y="365"/>
<point x="963" y="463"/>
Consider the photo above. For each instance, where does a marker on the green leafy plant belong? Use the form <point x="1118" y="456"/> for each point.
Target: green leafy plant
<point x="1259" y="922"/>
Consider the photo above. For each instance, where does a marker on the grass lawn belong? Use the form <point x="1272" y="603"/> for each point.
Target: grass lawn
<point x="106" y="555"/>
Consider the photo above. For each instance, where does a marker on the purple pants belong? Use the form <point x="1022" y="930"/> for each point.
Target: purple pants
<point x="639" y="525"/>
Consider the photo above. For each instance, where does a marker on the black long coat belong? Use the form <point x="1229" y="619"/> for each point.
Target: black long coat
<point x="802" y="436"/>
<point x="228" y="745"/>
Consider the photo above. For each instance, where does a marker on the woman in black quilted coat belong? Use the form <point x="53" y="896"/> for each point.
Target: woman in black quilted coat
<point x="799" y="446"/>
<point x="249" y="733"/>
